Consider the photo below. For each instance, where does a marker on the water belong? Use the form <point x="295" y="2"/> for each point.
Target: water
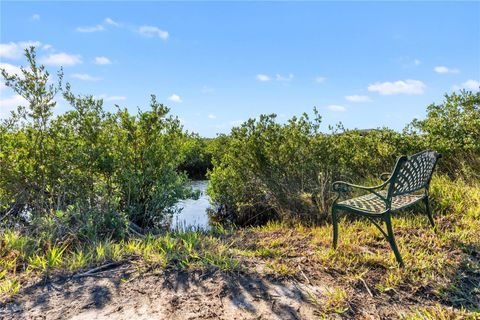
<point x="194" y="212"/>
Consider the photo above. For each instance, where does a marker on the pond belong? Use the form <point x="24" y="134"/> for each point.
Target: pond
<point x="193" y="214"/>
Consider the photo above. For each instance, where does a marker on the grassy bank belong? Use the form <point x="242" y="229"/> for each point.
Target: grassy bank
<point x="441" y="278"/>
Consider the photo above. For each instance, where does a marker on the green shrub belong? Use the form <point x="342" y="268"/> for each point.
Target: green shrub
<point x="279" y="171"/>
<point x="197" y="157"/>
<point x="268" y="170"/>
<point x="87" y="171"/>
<point x="453" y="129"/>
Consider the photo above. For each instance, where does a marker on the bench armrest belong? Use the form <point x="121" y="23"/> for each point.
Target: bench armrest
<point x="342" y="186"/>
<point x="385" y="176"/>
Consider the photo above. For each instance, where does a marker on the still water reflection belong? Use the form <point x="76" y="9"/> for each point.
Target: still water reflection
<point x="194" y="212"/>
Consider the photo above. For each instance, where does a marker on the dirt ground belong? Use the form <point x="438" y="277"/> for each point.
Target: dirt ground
<point x="122" y="294"/>
<point x="162" y="296"/>
<point x="132" y="289"/>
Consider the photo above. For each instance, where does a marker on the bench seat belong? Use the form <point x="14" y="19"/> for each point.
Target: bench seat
<point x="372" y="203"/>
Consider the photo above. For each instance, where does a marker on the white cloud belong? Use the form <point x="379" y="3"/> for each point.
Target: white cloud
<point x="410" y="87"/>
<point x="282" y="78"/>
<point x="111" y="22"/>
<point x="358" y="98"/>
<point x="96" y="28"/>
<point x="212" y="116"/>
<point x="11" y="103"/>
<point x="10" y="68"/>
<point x="36" y="17"/>
<point x="151" y="31"/>
<point x="175" y="98"/>
<point x="336" y="108"/>
<point x="114" y="98"/>
<point x="262" y="77"/>
<point x="320" y="79"/>
<point x="99" y="27"/>
<point x="102" y="60"/>
<point x="15" y="50"/>
<point x="107" y="98"/>
<point x="61" y="59"/>
<point x="473" y="85"/>
<point x="417" y="62"/>
<point x="46" y="47"/>
<point x="445" y="70"/>
<point x="85" y="77"/>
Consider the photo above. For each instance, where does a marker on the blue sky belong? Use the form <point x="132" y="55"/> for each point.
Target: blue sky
<point x="215" y="64"/>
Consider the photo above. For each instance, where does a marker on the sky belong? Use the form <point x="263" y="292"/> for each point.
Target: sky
<point x="216" y="64"/>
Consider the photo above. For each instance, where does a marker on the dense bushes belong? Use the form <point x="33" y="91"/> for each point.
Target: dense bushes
<point x="86" y="172"/>
<point x="453" y="129"/>
<point x="89" y="172"/>
<point x="284" y="171"/>
<point x="197" y="156"/>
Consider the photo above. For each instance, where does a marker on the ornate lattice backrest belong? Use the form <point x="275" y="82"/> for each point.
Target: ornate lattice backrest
<point x="413" y="173"/>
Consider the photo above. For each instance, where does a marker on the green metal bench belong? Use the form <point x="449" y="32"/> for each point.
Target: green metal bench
<point x="405" y="186"/>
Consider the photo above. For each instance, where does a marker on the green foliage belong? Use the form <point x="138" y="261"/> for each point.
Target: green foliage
<point x="438" y="312"/>
<point x="266" y="170"/>
<point x="86" y="172"/>
<point x="269" y="170"/>
<point x="453" y="129"/>
<point x="14" y="242"/>
<point x="52" y="258"/>
<point x="24" y="152"/>
<point x="8" y="286"/>
<point x="197" y="157"/>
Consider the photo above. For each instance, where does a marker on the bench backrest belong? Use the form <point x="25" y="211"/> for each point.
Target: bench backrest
<point x="413" y="173"/>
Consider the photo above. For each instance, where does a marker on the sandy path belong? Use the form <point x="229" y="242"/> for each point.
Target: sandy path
<point x="165" y="296"/>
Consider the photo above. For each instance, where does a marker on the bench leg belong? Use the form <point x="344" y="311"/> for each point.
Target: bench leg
<point x="335" y="227"/>
<point x="391" y="240"/>
<point x="429" y="212"/>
